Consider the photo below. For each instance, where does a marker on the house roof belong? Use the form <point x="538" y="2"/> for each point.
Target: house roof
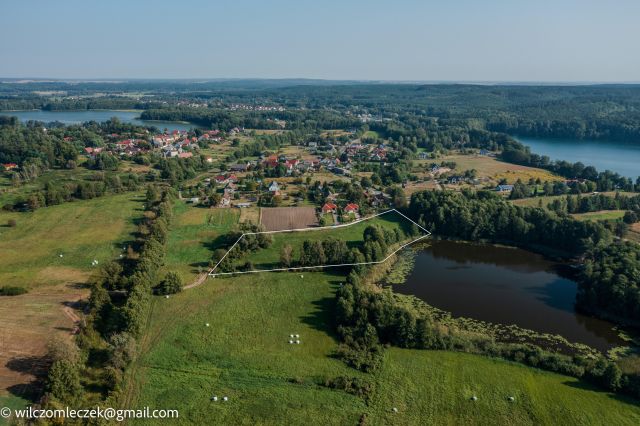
<point x="351" y="207"/>
<point x="329" y="206"/>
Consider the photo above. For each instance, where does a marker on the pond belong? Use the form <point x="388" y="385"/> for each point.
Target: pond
<point x="77" y="117"/>
<point x="503" y="285"/>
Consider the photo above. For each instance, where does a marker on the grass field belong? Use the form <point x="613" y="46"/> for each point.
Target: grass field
<point x="269" y="258"/>
<point x="81" y="231"/>
<point x="245" y="355"/>
<point x="634" y="233"/>
<point x="490" y="168"/>
<point x="192" y="233"/>
<point x="600" y="215"/>
<point x="29" y="257"/>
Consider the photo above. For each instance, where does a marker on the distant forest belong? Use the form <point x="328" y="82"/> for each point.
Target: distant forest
<point x="577" y="112"/>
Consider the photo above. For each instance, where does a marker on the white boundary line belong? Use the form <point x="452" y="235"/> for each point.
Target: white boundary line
<point x="211" y="272"/>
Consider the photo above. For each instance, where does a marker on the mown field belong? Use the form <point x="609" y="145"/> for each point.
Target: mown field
<point x="81" y="231"/>
<point x="490" y="168"/>
<point x="192" y="237"/>
<point x="244" y="354"/>
<point x="30" y="257"/>
<point x="600" y="215"/>
<point x="353" y="235"/>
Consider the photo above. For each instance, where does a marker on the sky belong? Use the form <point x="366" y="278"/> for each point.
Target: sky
<point x="412" y="40"/>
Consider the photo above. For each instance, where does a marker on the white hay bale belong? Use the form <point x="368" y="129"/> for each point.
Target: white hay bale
<point x="474" y="398"/>
<point x="214" y="398"/>
<point x="297" y="342"/>
<point x="225" y="398"/>
<point x="394" y="409"/>
<point x="511" y="399"/>
<point x="167" y="296"/>
<point x="207" y="324"/>
<point x="301" y="276"/>
<point x="297" y="336"/>
<point x="292" y="336"/>
<point x="60" y="255"/>
<point x="291" y="342"/>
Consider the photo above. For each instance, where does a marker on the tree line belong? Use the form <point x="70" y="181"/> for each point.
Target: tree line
<point x="118" y="306"/>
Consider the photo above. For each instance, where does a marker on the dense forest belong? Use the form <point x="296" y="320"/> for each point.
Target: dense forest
<point x="578" y="112"/>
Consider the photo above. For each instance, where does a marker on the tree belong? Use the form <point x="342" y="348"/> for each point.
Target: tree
<point x="286" y="255"/>
<point x="63" y="382"/>
<point x="171" y="284"/>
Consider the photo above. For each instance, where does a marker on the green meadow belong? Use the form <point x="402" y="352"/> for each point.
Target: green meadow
<point x="245" y="354"/>
<point x="269" y="257"/>
<point x="80" y="231"/>
<point x="192" y="237"/>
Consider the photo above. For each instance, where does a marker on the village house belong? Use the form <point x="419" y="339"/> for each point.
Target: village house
<point x="221" y="179"/>
<point x="504" y="188"/>
<point x="241" y="167"/>
<point x="274" y="188"/>
<point x="329" y="208"/>
<point x="92" y="152"/>
<point x="10" y="166"/>
<point x="351" y="208"/>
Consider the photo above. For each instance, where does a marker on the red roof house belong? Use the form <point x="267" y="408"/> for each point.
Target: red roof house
<point x="351" y="208"/>
<point x="329" y="208"/>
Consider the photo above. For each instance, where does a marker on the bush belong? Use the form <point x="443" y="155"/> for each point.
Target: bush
<point x="12" y="291"/>
<point x="171" y="284"/>
<point x="352" y="385"/>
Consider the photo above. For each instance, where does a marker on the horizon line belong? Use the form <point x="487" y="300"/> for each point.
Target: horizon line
<point x="115" y="80"/>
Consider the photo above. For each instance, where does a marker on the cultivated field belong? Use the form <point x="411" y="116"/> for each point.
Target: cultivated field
<point x="245" y="355"/>
<point x="280" y="218"/>
<point x="30" y="257"/>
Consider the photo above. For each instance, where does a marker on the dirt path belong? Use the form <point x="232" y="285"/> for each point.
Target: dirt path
<point x="198" y="281"/>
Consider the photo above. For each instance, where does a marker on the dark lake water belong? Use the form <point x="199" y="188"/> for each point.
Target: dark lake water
<point x="506" y="286"/>
<point x="76" y="117"/>
<point x="618" y="157"/>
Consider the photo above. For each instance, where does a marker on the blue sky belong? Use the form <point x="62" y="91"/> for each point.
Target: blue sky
<point x="448" y="40"/>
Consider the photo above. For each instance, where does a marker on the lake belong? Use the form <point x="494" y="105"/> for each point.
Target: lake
<point x="76" y="117"/>
<point x="618" y="157"/>
<point x="503" y="285"/>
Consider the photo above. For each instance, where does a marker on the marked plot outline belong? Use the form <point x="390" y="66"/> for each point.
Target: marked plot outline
<point x="213" y="273"/>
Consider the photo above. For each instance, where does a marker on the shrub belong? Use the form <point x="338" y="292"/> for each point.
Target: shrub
<point x="352" y="385"/>
<point x="12" y="291"/>
<point x="171" y="284"/>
